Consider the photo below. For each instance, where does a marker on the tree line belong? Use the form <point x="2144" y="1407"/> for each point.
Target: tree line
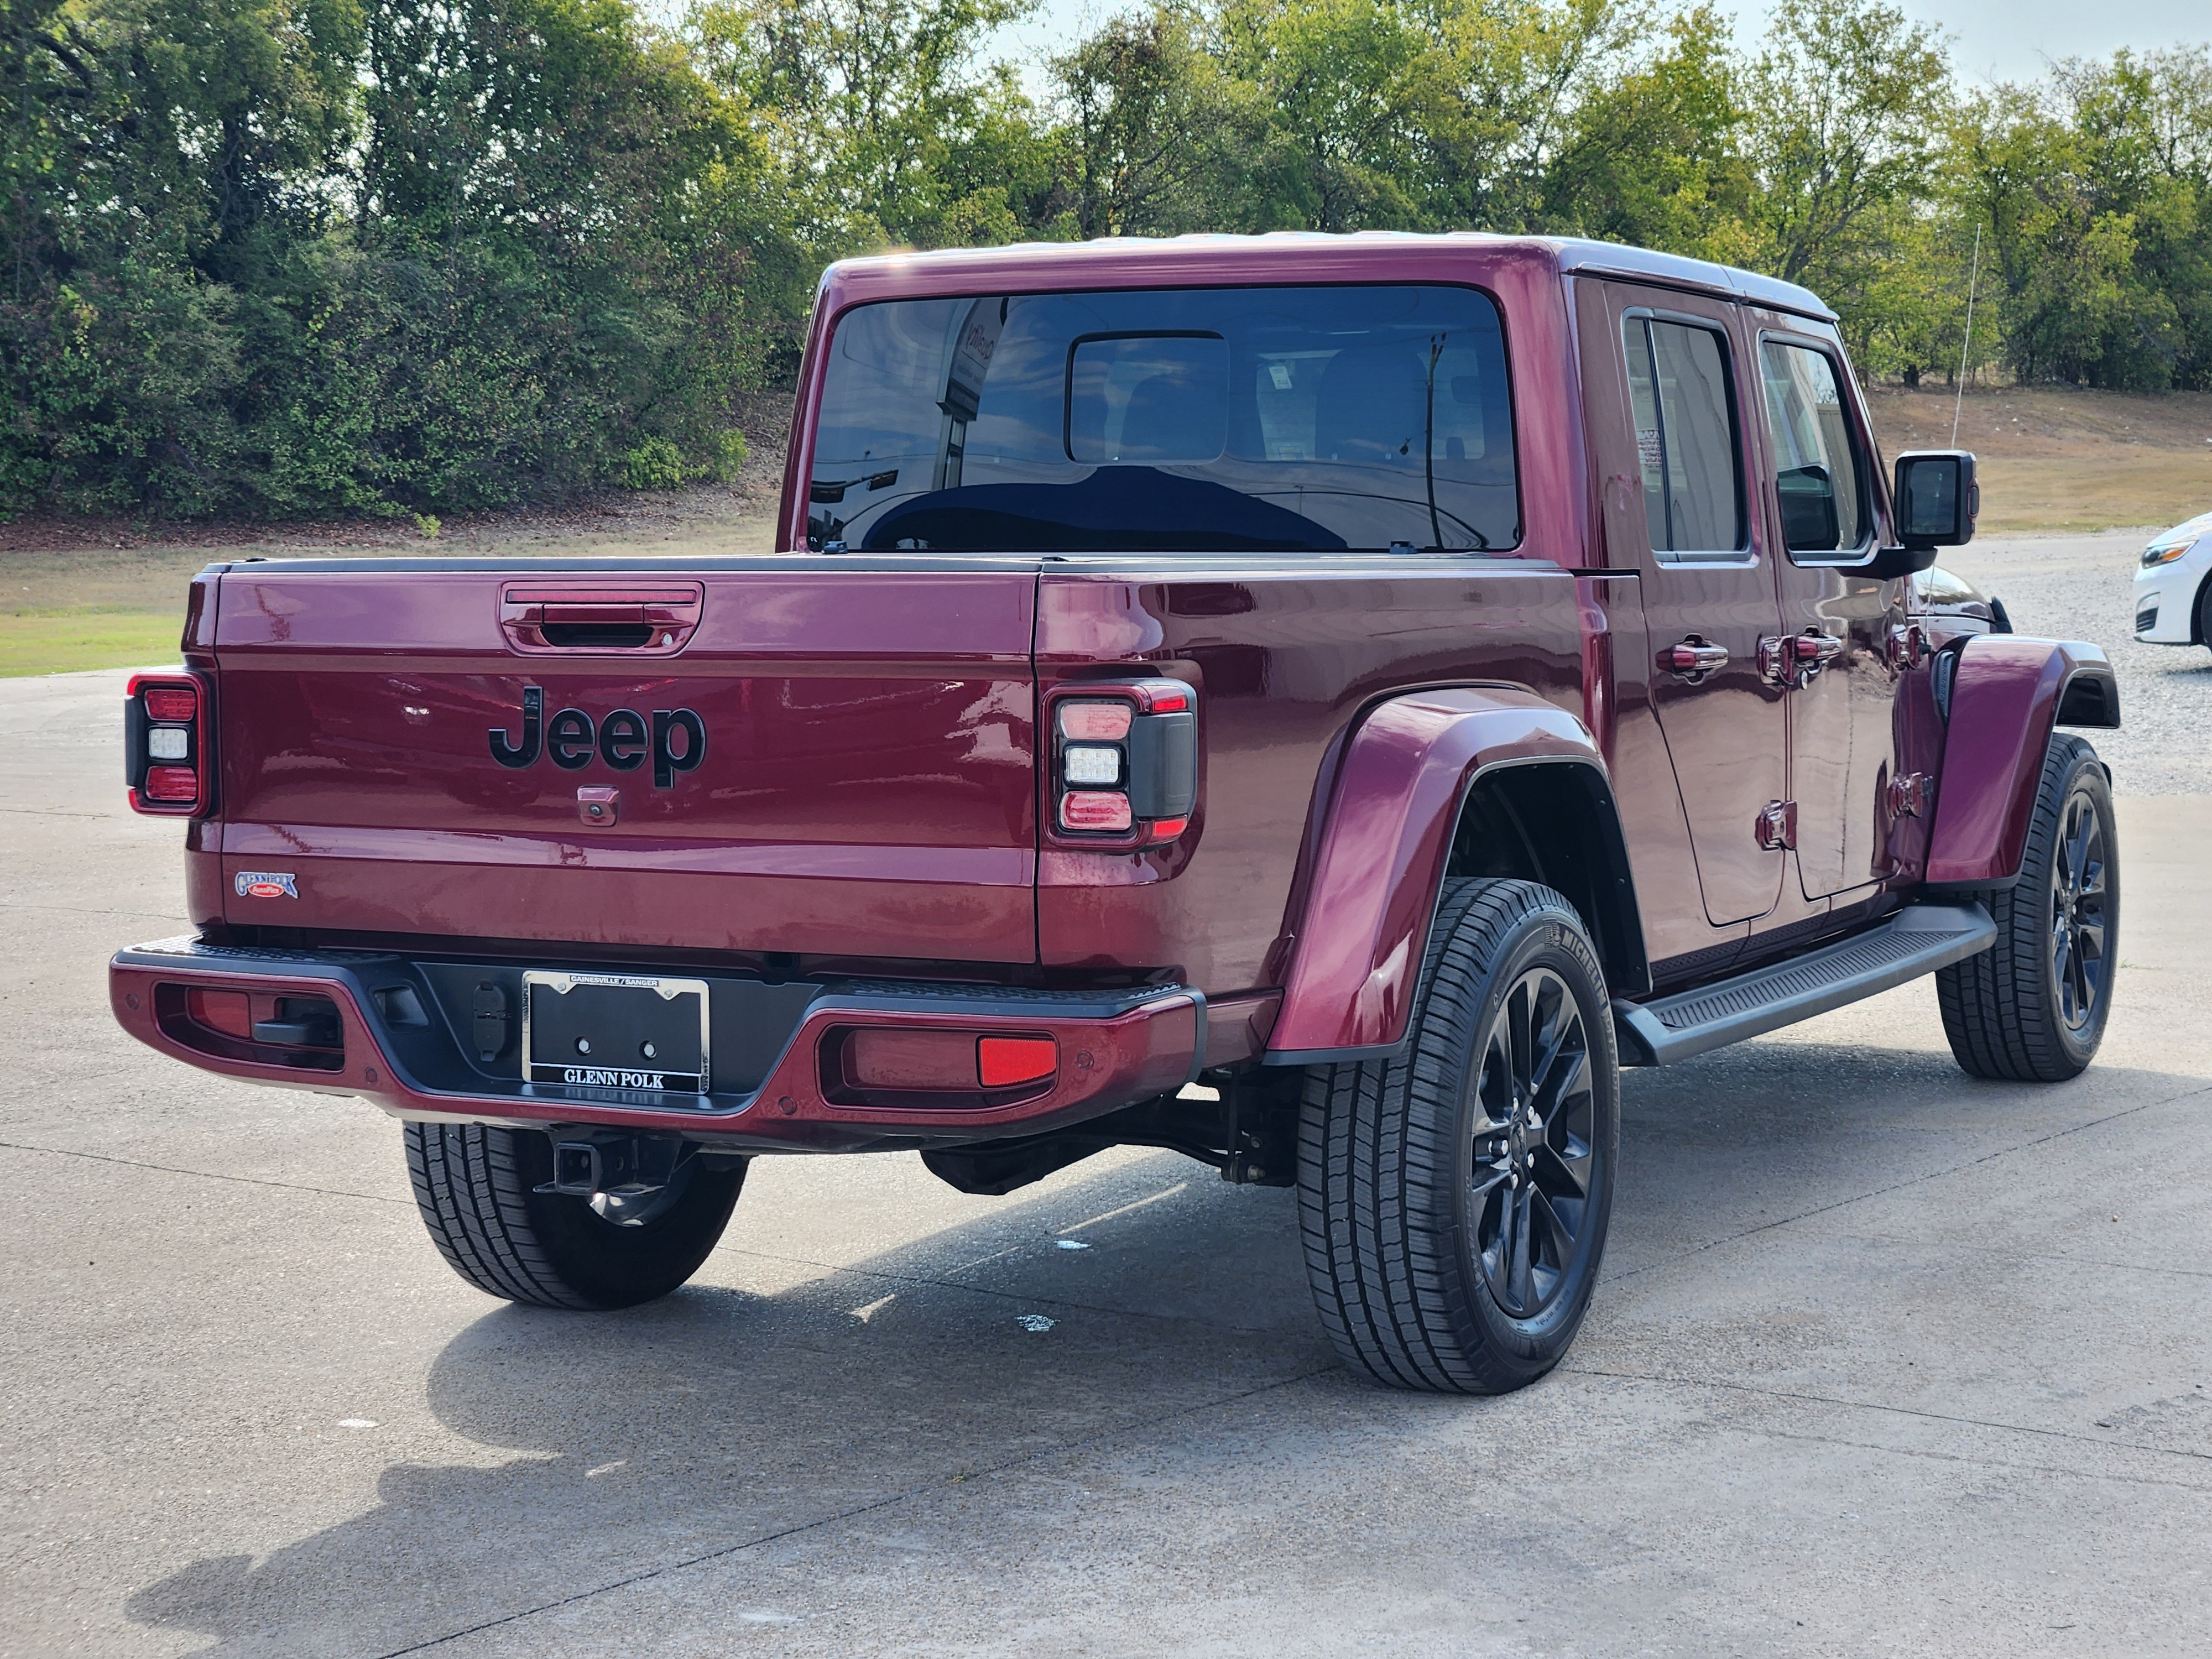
<point x="276" y="258"/>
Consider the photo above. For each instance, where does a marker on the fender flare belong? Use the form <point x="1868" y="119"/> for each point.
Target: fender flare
<point x="1385" y="844"/>
<point x="2002" y="698"/>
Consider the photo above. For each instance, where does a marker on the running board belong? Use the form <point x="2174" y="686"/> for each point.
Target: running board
<point x="1918" y="940"/>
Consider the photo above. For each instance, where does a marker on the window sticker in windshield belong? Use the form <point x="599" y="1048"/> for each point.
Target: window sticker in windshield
<point x="1196" y="420"/>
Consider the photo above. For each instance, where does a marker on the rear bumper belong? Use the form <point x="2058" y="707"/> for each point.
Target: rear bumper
<point x="1116" y="1047"/>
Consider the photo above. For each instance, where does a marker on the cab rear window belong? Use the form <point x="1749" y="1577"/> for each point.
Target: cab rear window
<point x="1262" y="419"/>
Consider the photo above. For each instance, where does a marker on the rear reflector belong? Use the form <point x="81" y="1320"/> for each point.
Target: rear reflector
<point x="177" y="783"/>
<point x="175" y="702"/>
<point x="1094" y="809"/>
<point x="228" y="1011"/>
<point x="1004" y="1061"/>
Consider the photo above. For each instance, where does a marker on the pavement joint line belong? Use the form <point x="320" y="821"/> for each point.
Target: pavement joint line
<point x="1895" y="1411"/>
<point x="1078" y="1444"/>
<point x="1909" y="1180"/>
<point x="201" y="1175"/>
<point x="88" y="910"/>
<point x="2056" y="1469"/>
<point x="2029" y="1255"/>
<point x="832" y="1267"/>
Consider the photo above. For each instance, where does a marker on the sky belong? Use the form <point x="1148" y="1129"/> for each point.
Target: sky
<point x="1992" y="39"/>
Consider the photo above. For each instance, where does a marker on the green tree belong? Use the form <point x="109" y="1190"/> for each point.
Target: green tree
<point x="887" y="124"/>
<point x="1657" y="158"/>
<point x="1151" y="129"/>
<point x="1848" y="107"/>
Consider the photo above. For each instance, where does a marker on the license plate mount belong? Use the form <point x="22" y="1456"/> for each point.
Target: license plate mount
<point x="630" y="1031"/>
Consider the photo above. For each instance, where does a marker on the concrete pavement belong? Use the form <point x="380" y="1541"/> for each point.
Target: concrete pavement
<point x="1885" y="1360"/>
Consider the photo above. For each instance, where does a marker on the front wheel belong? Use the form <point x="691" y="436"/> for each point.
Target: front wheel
<point x="1454" y="1202"/>
<point x="477" y="1187"/>
<point x="2031" y="1008"/>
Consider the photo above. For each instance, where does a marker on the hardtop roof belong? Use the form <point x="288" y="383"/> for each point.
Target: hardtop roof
<point x="1289" y="256"/>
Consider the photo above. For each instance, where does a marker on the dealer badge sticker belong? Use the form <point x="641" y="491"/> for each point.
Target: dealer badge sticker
<point x="265" y="884"/>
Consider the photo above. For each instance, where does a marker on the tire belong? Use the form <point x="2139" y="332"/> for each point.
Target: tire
<point x="475" y="1188"/>
<point x="2032" y="1007"/>
<point x="2204" y="613"/>
<point x="1405" y="1198"/>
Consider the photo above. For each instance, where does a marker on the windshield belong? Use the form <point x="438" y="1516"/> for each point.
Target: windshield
<point x="1262" y="419"/>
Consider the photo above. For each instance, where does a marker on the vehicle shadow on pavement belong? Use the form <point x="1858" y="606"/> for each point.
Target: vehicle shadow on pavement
<point x="618" y="1443"/>
<point x="724" y="1424"/>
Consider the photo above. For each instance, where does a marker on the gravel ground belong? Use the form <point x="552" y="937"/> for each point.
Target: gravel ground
<point x="2080" y="588"/>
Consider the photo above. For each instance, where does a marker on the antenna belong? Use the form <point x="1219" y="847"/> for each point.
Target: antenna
<point x="1972" y="282"/>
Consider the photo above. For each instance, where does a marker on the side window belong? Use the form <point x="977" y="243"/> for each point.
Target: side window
<point x="1685" y="436"/>
<point x="1818" y="473"/>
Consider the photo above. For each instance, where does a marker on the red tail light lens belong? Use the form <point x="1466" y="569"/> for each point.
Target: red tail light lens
<point x="1095" y="722"/>
<point x="171" y="702"/>
<point x="179" y="784"/>
<point x="1094" y="810"/>
<point x="1002" y="1062"/>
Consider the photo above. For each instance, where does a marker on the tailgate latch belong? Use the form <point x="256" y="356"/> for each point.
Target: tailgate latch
<point x="629" y="620"/>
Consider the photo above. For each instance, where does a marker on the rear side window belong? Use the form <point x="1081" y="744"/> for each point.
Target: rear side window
<point x="1816" y="465"/>
<point x="1263" y="419"/>
<point x="1685" y="436"/>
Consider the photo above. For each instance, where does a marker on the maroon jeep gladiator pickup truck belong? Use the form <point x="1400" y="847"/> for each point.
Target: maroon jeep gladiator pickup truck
<point x="1319" y="704"/>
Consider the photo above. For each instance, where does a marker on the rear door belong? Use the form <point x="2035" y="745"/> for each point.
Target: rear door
<point x="1677" y="425"/>
<point x="825" y="757"/>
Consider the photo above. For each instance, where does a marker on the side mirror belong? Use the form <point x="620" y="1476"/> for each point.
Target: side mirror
<point x="1937" y="498"/>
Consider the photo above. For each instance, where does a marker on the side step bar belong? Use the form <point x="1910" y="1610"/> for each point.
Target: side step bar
<point x="1918" y="940"/>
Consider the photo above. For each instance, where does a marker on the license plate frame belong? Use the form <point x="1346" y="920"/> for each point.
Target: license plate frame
<point x="616" y="1018"/>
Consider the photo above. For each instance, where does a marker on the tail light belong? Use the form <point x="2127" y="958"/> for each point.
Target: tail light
<point x="1124" y="762"/>
<point x="167" y="756"/>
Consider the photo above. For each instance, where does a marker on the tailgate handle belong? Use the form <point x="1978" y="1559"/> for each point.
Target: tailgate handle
<point x="637" y="621"/>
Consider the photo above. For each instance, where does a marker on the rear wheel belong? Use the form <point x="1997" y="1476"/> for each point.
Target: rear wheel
<point x="1454" y="1203"/>
<point x="2032" y="1007"/>
<point x="476" y="1189"/>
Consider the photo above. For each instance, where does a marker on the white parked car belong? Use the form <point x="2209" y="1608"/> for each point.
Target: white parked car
<point x="2173" y="588"/>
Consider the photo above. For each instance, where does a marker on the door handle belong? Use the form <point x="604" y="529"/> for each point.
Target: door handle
<point x="1693" y="659"/>
<point x="1790" y="659"/>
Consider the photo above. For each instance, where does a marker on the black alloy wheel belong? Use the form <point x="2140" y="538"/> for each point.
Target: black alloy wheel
<point x="1532" y="1147"/>
<point x="2079" y="966"/>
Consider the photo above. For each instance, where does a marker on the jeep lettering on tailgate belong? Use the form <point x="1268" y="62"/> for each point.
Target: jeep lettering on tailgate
<point x="570" y="742"/>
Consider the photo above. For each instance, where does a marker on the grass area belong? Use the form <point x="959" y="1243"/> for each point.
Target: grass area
<point x="2110" y="492"/>
<point x="86" y="637"/>
<point x="2054" y="459"/>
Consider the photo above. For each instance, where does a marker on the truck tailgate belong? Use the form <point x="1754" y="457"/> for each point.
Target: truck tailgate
<point x="421" y="747"/>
